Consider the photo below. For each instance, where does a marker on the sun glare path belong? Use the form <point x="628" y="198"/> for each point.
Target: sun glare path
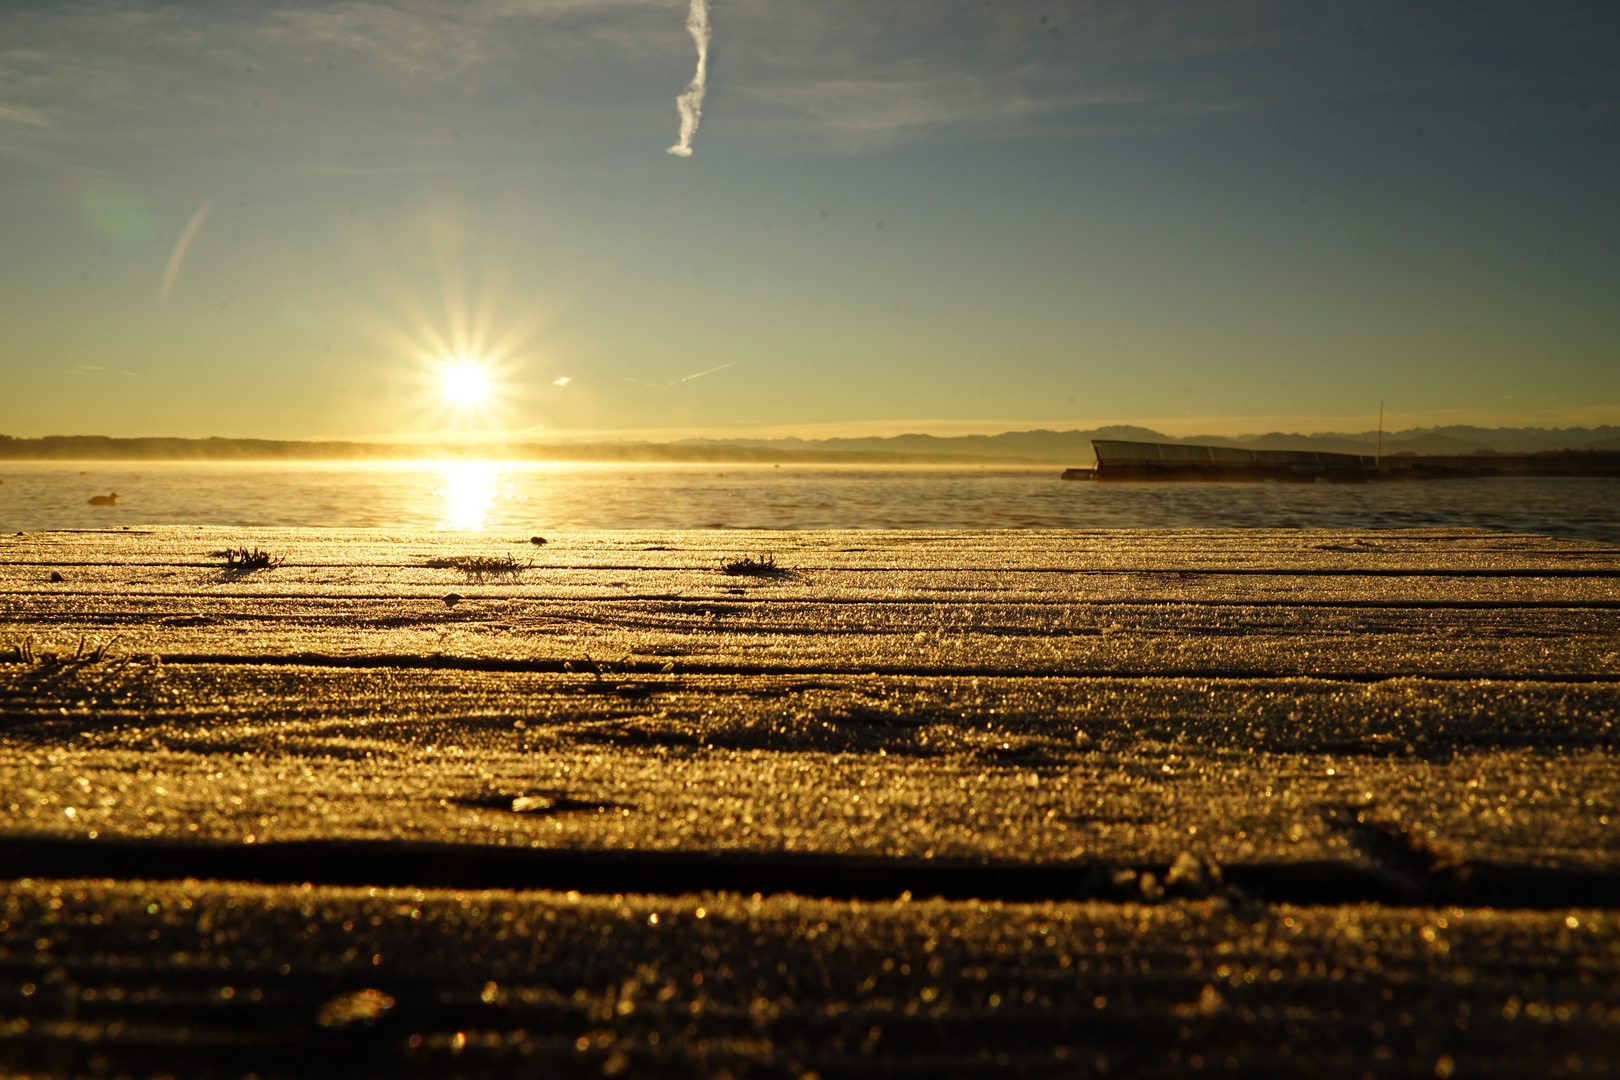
<point x="469" y="494"/>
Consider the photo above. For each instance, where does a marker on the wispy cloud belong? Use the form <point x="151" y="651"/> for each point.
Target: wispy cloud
<point x="866" y="111"/>
<point x="19" y="114"/>
<point x="319" y="81"/>
<point x="82" y="81"/>
<point x="854" y="77"/>
<point x="454" y="43"/>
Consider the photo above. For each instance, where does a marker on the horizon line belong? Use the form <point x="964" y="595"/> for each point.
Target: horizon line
<point x="1175" y="427"/>
<point x="670" y="437"/>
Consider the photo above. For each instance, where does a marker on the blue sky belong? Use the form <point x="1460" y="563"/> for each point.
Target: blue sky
<point x="948" y="217"/>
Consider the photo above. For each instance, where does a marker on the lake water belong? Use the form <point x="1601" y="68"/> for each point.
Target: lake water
<point x="533" y="497"/>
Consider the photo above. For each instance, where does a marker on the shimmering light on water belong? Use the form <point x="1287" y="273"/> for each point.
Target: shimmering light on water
<point x="533" y="497"/>
<point x="469" y="492"/>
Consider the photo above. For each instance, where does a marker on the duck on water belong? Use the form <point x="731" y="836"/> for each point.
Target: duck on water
<point x="104" y="500"/>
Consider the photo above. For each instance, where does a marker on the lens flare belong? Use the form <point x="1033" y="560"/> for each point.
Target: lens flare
<point x="178" y="256"/>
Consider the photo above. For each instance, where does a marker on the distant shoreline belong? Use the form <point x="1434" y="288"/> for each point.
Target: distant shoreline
<point x="1069" y="449"/>
<point x="100" y="448"/>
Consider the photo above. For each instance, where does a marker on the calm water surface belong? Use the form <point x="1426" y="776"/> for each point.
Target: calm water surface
<point x="537" y="496"/>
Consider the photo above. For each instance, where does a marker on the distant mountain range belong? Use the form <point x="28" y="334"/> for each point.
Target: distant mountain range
<point x="1074" y="447"/>
<point x="1069" y="448"/>
<point x="1456" y="439"/>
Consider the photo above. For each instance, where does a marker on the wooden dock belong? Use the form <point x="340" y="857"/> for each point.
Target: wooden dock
<point x="936" y="804"/>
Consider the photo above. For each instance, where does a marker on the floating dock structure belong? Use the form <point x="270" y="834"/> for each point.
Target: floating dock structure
<point x="1119" y="460"/>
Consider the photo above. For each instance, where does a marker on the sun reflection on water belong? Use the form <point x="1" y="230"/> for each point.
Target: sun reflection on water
<point x="469" y="491"/>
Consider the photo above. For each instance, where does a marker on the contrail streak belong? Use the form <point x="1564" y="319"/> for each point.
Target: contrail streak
<point x="700" y="374"/>
<point x="691" y="103"/>
<point x="182" y="245"/>
<point x="677" y="382"/>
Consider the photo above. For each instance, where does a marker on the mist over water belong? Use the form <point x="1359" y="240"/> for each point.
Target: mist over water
<point x="533" y="497"/>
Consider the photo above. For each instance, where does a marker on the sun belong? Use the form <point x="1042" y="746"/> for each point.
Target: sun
<point x="465" y="383"/>
<point x="467" y="389"/>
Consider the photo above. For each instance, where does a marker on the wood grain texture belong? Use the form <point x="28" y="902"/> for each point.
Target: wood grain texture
<point x="1439" y="603"/>
<point x="1423" y="718"/>
<point x="198" y="978"/>
<point x="1005" y="697"/>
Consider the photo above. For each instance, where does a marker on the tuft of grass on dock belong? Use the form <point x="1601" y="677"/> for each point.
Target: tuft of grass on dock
<point x="763" y="566"/>
<point x="478" y="567"/>
<point x="88" y="652"/>
<point x="245" y="560"/>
